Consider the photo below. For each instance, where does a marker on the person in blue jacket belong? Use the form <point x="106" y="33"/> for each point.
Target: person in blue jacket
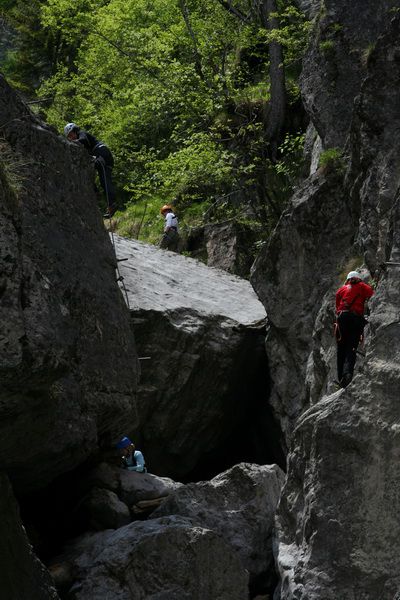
<point x="132" y="459"/>
<point x="103" y="162"/>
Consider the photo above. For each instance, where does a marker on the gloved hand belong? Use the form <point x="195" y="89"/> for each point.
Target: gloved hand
<point x="99" y="161"/>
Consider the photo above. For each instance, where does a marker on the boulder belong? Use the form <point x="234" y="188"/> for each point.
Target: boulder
<point x="22" y="575"/>
<point x="105" y="510"/>
<point x="229" y="245"/>
<point x="200" y="334"/>
<point x="240" y="506"/>
<point x="67" y="354"/>
<point x="107" y="495"/>
<point x="166" y="558"/>
<point x="138" y="487"/>
<point x="103" y="475"/>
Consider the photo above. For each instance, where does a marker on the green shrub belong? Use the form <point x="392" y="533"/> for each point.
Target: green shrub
<point x="327" y="47"/>
<point x="332" y="158"/>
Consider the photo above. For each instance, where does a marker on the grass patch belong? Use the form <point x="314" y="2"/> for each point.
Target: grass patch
<point x="14" y="169"/>
<point x="366" y="53"/>
<point x="327" y="47"/>
<point x="143" y="221"/>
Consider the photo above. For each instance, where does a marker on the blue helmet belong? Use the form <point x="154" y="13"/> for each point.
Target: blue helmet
<point x="123" y="443"/>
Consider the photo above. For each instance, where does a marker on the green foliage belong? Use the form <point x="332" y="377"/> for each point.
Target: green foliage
<point x="141" y="220"/>
<point x="179" y="90"/>
<point x="292" y="160"/>
<point x="367" y="53"/>
<point x="336" y="27"/>
<point x="293" y="32"/>
<point x="30" y="55"/>
<point x="327" y="47"/>
<point x="332" y="158"/>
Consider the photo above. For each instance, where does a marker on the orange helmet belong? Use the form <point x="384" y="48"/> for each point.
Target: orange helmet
<point x="165" y="208"/>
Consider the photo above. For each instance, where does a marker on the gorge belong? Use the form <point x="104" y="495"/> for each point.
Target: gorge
<point x="265" y="479"/>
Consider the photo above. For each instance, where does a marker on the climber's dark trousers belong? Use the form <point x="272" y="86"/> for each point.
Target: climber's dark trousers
<point x="350" y="329"/>
<point x="105" y="176"/>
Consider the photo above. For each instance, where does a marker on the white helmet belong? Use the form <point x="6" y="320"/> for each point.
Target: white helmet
<point x="353" y="275"/>
<point x="70" y="127"/>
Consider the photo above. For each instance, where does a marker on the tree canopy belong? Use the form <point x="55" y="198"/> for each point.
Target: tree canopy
<point x="182" y="91"/>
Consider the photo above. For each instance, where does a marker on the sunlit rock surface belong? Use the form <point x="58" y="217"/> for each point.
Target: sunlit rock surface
<point x="200" y="331"/>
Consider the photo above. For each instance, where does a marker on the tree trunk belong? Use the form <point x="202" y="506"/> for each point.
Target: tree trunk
<point x="274" y="115"/>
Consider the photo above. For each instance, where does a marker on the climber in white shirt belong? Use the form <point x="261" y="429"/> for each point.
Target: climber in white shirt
<point x="170" y="238"/>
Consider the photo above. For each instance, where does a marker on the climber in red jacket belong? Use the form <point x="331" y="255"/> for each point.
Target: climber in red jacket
<point x="350" y="303"/>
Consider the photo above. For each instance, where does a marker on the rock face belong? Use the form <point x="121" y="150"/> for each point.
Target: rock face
<point x="21" y="573"/>
<point x="337" y="520"/>
<point x="167" y="558"/>
<point x="291" y="279"/>
<point x="105" y="510"/>
<point x="334" y="67"/>
<point x="202" y="330"/>
<point x="136" y="487"/>
<point x="240" y="505"/>
<point x="229" y="246"/>
<point x="67" y="356"/>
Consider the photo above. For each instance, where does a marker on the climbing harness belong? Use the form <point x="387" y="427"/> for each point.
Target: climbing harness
<point x="120" y="278"/>
<point x="336" y="329"/>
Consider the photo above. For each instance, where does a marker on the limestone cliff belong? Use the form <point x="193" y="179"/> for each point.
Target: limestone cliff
<point x="67" y="356"/>
<point x="337" y="523"/>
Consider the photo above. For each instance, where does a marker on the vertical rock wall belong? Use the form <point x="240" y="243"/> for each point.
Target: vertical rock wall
<point x="337" y="522"/>
<point x="67" y="356"/>
<point x="22" y="576"/>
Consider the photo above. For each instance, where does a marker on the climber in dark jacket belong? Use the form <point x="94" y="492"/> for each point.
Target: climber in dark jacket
<point x="103" y="163"/>
<point x="350" y="303"/>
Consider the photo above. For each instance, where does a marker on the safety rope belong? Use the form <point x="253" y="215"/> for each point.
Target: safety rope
<point x="120" y="278"/>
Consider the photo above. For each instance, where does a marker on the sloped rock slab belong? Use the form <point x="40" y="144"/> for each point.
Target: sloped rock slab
<point x="202" y="330"/>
